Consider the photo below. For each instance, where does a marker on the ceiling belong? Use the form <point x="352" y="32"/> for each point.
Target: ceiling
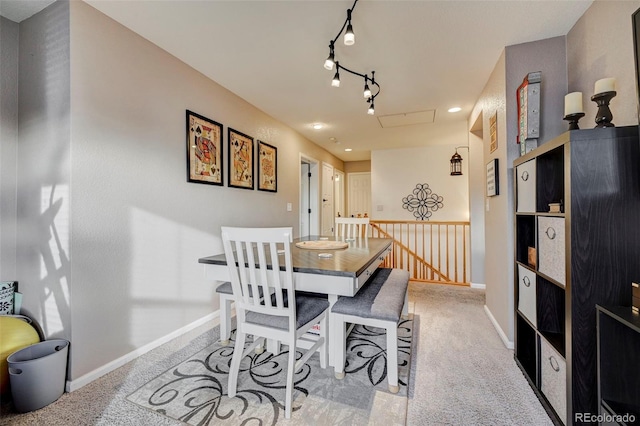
<point x="428" y="56"/>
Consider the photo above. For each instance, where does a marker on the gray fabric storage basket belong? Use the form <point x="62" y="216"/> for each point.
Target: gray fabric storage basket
<point x="37" y="374"/>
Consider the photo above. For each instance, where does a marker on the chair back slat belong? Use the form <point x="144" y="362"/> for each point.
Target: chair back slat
<point x="256" y="268"/>
<point x="351" y="227"/>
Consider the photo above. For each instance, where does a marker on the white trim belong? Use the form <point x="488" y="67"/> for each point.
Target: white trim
<point x="508" y="343"/>
<point x="72" y="385"/>
<point x="478" y="285"/>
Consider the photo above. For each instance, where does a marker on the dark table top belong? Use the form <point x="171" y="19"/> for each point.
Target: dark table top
<point x="350" y="262"/>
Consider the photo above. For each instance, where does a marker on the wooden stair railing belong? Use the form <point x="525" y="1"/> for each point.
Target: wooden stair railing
<point x="430" y="251"/>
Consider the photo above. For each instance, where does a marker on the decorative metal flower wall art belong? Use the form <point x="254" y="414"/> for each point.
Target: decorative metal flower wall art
<point x="422" y="202"/>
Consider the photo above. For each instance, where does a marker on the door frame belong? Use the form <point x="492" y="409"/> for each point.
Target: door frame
<point x="314" y="195"/>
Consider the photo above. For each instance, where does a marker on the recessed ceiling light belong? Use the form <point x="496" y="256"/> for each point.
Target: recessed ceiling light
<point x="348" y="149"/>
<point x="318" y="126"/>
<point x="332" y="139"/>
<point x="454" y="109"/>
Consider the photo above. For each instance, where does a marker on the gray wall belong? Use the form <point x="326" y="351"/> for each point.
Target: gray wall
<point x="600" y="45"/>
<point x="499" y="95"/>
<point x="43" y="209"/>
<point x="9" y="34"/>
<point x="110" y="231"/>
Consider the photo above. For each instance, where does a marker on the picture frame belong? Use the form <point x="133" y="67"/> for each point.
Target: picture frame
<point x="267" y="167"/>
<point x="204" y="150"/>
<point x="493" y="132"/>
<point x="493" y="181"/>
<point x="240" y="160"/>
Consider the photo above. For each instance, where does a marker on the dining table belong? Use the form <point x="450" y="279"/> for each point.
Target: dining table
<point x="317" y="269"/>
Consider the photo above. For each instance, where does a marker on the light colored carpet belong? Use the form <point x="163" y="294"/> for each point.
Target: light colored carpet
<point x="461" y="374"/>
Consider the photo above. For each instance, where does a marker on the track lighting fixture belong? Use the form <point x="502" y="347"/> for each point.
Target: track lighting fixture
<point x="349" y="39"/>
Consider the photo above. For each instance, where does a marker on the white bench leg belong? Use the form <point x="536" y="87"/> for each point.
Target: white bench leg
<point x="392" y="357"/>
<point x="225" y="319"/>
<point x="405" y="308"/>
<point x="339" y="345"/>
<point x="324" y="353"/>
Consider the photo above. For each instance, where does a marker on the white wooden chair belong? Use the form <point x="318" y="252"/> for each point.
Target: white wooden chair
<point x="351" y="227"/>
<point x="252" y="257"/>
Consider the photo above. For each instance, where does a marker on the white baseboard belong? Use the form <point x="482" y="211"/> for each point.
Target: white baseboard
<point x="508" y="343"/>
<point x="478" y="285"/>
<point x="76" y="384"/>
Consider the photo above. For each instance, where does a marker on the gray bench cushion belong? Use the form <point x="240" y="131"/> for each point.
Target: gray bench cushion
<point x="225" y="288"/>
<point x="307" y="308"/>
<point x="381" y="298"/>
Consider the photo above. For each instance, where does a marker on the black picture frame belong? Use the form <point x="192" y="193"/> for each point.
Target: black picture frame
<point x="493" y="181"/>
<point x="240" y="165"/>
<point x="204" y="150"/>
<point x="635" y="23"/>
<point x="267" y="164"/>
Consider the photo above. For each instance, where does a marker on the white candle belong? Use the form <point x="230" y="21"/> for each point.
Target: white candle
<point x="605" y="85"/>
<point x="573" y="103"/>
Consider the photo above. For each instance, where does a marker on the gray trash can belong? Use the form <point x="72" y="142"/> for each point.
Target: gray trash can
<point x="37" y="374"/>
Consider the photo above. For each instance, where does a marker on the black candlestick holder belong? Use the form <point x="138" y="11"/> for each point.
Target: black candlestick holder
<point x="604" y="116"/>
<point x="573" y="120"/>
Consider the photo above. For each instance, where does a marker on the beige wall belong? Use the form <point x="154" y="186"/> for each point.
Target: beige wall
<point x="600" y="45"/>
<point x="357" y="166"/>
<point x="110" y="229"/>
<point x="496" y="216"/>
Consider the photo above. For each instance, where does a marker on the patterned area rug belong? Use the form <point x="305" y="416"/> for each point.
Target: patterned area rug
<point x="195" y="391"/>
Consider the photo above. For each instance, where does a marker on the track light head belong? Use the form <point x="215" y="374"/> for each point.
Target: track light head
<point x="349" y="36"/>
<point x="367" y="91"/>
<point x="330" y="61"/>
<point x="336" y="78"/>
<point x="371" y="109"/>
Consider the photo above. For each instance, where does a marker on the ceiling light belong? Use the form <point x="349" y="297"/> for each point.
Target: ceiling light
<point x="318" y="126"/>
<point x="348" y="149"/>
<point x="454" y="109"/>
<point x="456" y="162"/>
<point x="349" y="39"/>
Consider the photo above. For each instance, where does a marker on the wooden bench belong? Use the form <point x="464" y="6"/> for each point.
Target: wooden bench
<point x="380" y="303"/>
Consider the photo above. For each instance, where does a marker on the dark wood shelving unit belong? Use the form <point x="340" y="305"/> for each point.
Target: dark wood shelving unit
<point x="619" y="362"/>
<point x="587" y="254"/>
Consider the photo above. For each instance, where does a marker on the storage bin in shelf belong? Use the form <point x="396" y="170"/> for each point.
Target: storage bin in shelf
<point x="551" y="247"/>
<point x="526" y="187"/>
<point x="553" y="379"/>
<point x="527" y="293"/>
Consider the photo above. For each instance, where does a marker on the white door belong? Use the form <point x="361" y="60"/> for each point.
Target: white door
<point x="359" y="194"/>
<point x="338" y="194"/>
<point x="327" y="199"/>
